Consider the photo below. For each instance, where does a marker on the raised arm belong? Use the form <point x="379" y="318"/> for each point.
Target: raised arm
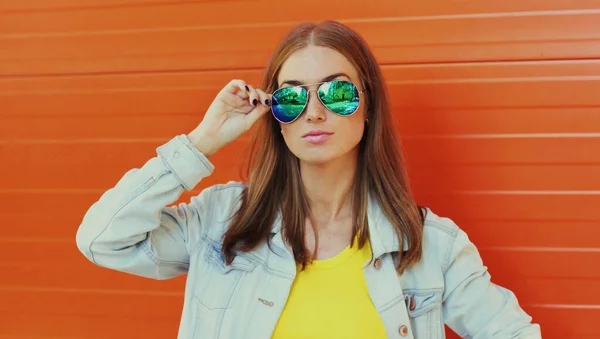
<point x="132" y="229"/>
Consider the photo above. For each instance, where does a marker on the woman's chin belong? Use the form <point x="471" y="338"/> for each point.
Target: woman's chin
<point x="316" y="157"/>
<point x="320" y="157"/>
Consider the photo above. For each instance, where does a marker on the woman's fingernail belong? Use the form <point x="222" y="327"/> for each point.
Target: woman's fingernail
<point x="247" y="88"/>
<point x="267" y="102"/>
<point x="255" y="102"/>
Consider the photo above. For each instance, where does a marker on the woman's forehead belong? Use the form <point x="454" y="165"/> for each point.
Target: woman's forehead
<point x="312" y="64"/>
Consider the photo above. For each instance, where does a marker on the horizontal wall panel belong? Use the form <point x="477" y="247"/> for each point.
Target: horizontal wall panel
<point x="494" y="121"/>
<point x="546" y="263"/>
<point x="85" y="277"/>
<point x="550" y="291"/>
<point x="53" y="326"/>
<point x="457" y="163"/>
<point x="565" y="322"/>
<point x="532" y="233"/>
<point x="63" y="5"/>
<point x="531" y="36"/>
<point x="493" y="71"/>
<point x="39" y="203"/>
<point x="358" y="9"/>
<point x="504" y="150"/>
<point x="62" y="15"/>
<point x="69" y="129"/>
<point x="155" y="82"/>
<point x="464" y="72"/>
<point x="500" y="94"/>
<point x="110" y="103"/>
<point x="512" y="177"/>
<point x="523" y="206"/>
<point x="36" y="225"/>
<point x="68" y="167"/>
<point x="38" y="253"/>
<point x="90" y="304"/>
<point x="71" y="163"/>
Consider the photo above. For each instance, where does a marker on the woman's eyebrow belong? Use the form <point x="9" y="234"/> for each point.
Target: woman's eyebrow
<point x="325" y="79"/>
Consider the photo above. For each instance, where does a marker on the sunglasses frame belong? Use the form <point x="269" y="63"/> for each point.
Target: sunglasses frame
<point x="320" y="100"/>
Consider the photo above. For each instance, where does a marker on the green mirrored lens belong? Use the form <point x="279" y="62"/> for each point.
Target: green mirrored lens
<point x="341" y="97"/>
<point x="288" y="103"/>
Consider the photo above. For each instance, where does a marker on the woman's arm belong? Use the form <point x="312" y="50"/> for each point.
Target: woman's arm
<point x="130" y="229"/>
<point x="474" y="307"/>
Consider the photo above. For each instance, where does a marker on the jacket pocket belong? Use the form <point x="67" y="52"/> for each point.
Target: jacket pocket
<point x="220" y="282"/>
<point x="425" y="313"/>
<point x="207" y="323"/>
<point x="217" y="290"/>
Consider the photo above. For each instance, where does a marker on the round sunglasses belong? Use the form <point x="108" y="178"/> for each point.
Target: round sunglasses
<point x="340" y="97"/>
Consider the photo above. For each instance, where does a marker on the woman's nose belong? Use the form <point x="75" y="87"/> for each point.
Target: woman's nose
<point x="315" y="111"/>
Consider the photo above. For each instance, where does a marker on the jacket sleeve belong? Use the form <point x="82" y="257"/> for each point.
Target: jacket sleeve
<point x="131" y="229"/>
<point x="473" y="306"/>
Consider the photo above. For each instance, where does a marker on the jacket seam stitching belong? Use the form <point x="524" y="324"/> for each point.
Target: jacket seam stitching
<point x="196" y="153"/>
<point x="259" y="260"/>
<point x="133" y="195"/>
<point x="223" y="187"/>
<point x="447" y="256"/>
<point x="159" y="262"/>
<point x="390" y="304"/>
<point x="441" y="227"/>
<point x="167" y="164"/>
<point x="270" y="270"/>
<point x="422" y="291"/>
<point x="203" y="232"/>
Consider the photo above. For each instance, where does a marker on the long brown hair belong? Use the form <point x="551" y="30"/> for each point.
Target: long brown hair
<point x="273" y="175"/>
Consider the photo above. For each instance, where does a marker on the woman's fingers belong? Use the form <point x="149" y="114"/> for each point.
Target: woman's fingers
<point x="256" y="98"/>
<point x="235" y="86"/>
<point x="264" y="98"/>
<point x="253" y="96"/>
<point x="261" y="108"/>
<point x="243" y="94"/>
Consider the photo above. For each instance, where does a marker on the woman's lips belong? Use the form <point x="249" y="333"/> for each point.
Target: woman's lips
<point x="317" y="139"/>
<point x="317" y="136"/>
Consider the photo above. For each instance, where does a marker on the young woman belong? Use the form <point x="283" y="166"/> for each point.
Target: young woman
<point x="324" y="240"/>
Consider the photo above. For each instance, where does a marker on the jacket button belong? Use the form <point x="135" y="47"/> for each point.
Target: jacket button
<point x="413" y="303"/>
<point x="403" y="330"/>
<point x="377" y="264"/>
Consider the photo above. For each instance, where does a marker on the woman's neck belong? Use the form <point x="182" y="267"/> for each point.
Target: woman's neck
<point x="328" y="187"/>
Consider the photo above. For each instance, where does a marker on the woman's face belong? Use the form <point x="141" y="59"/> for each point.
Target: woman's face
<point x="341" y="134"/>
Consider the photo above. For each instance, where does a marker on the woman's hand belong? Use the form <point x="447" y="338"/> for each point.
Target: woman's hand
<point x="234" y="111"/>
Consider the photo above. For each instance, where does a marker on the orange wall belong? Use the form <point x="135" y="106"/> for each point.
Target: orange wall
<point x="498" y="103"/>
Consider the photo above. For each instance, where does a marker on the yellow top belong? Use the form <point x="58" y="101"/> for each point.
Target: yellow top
<point x="330" y="300"/>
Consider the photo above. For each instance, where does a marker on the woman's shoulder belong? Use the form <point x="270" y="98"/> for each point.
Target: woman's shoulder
<point x="231" y="188"/>
<point x="442" y="238"/>
<point x="215" y="205"/>
<point x="218" y="198"/>
<point x="435" y="223"/>
<point x="445" y="239"/>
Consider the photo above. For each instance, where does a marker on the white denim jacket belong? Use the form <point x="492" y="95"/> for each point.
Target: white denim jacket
<point x="131" y="229"/>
